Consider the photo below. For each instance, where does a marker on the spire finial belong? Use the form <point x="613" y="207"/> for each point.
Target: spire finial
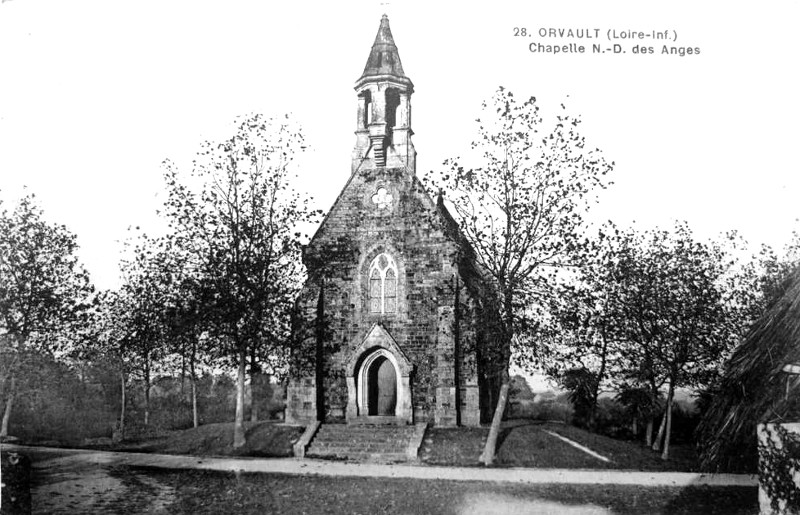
<point x="384" y="59"/>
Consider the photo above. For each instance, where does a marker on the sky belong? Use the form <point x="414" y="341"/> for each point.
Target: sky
<point x="95" y="95"/>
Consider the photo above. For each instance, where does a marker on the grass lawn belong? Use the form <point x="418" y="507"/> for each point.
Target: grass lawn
<point x="526" y="444"/>
<point x="630" y="454"/>
<point x="522" y="443"/>
<point x="200" y="492"/>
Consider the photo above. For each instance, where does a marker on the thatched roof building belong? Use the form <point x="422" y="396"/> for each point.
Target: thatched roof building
<point x="761" y="384"/>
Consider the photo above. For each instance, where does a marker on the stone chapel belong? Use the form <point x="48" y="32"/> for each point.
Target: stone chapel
<point x="394" y="322"/>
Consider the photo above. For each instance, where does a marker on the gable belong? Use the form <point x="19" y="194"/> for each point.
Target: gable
<point x="380" y="201"/>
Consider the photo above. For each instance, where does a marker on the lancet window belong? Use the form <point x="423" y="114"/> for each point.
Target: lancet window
<point x="383" y="285"/>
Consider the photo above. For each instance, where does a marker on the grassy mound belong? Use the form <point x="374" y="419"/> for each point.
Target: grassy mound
<point x="264" y="439"/>
<point x="532" y="445"/>
<point x="455" y="447"/>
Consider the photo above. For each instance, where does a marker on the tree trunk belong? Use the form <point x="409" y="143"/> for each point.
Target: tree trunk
<point x="9" y="403"/>
<point x="254" y="382"/>
<point x="507" y="333"/>
<point x="598" y="380"/>
<point x="648" y="434"/>
<point x="194" y="388"/>
<point x="670" y="397"/>
<point x="635" y="427"/>
<point x="121" y="430"/>
<point x="494" y="431"/>
<point x="660" y="436"/>
<point x="593" y="412"/>
<point x="195" y="422"/>
<point x="238" y="423"/>
<point x="255" y="390"/>
<point x="183" y="373"/>
<point x="147" y="392"/>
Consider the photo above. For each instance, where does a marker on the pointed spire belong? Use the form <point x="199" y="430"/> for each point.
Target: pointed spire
<point x="384" y="60"/>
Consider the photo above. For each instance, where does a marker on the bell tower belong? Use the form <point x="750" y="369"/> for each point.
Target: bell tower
<point x="383" y="128"/>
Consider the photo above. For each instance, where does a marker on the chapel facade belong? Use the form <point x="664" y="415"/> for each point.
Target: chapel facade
<point x="395" y="321"/>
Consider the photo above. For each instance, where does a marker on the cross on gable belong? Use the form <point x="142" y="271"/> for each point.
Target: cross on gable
<point x="382" y="198"/>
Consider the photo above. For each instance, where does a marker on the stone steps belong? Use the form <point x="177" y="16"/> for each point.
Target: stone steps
<point x="363" y="442"/>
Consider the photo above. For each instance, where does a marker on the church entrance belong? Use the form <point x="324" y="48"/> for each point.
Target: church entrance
<point x="381" y="388"/>
<point x="378" y="385"/>
<point x="378" y="381"/>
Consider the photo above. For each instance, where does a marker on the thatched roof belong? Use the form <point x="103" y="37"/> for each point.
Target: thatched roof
<point x="754" y="387"/>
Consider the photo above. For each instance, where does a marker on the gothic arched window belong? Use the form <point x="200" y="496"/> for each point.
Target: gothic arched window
<point x="367" y="108"/>
<point x="392" y="103"/>
<point x="383" y="285"/>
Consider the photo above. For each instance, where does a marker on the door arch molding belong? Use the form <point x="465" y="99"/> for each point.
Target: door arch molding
<point x="377" y="343"/>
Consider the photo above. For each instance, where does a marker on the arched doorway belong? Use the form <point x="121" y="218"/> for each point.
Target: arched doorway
<point x="378" y="384"/>
<point x="378" y="381"/>
<point x="381" y="387"/>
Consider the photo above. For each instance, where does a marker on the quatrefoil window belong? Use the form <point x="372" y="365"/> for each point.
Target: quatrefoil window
<point x="383" y="199"/>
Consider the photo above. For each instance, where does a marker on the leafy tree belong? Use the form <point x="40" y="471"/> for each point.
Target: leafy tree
<point x="237" y="219"/>
<point x="179" y="291"/>
<point x="640" y="404"/>
<point x="520" y="389"/>
<point x="519" y="203"/>
<point x="107" y="348"/>
<point x="142" y="303"/>
<point x="44" y="291"/>
<point x="672" y="307"/>
<point x="583" y="386"/>
<point x="579" y="335"/>
<point x="129" y="331"/>
<point x="759" y="282"/>
<point x="186" y="327"/>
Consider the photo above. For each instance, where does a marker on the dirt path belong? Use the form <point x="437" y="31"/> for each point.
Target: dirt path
<point x="81" y="481"/>
<point x="66" y="481"/>
<point x="98" y="459"/>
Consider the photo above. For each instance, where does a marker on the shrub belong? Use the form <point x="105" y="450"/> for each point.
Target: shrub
<point x="53" y="402"/>
<point x="524" y="408"/>
<point x="611" y="419"/>
<point x="557" y="410"/>
<point x="685" y="419"/>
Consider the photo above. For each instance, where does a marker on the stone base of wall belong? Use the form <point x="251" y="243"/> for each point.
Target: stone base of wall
<point x="301" y="406"/>
<point x="445" y="413"/>
<point x="335" y="414"/>
<point x="301" y="401"/>
<point x="470" y="406"/>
